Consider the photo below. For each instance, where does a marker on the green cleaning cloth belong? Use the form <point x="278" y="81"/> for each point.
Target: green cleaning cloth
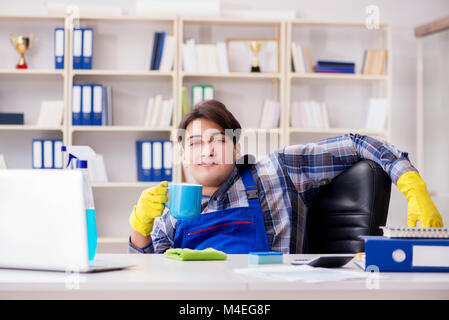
<point x="190" y="254"/>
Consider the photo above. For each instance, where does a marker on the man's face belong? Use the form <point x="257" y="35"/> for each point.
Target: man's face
<point x="208" y="154"/>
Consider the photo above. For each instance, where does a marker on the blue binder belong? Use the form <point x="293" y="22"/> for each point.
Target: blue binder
<point x="406" y="254"/>
<point x="37" y="152"/>
<point x="86" y="105"/>
<point x="144" y="160"/>
<point x="160" y="49"/>
<point x="167" y="155"/>
<point x="47" y="154"/>
<point x="57" y="154"/>
<point x="88" y="46"/>
<point x="77" y="48"/>
<point x="157" y="153"/>
<point x="156" y="41"/>
<point x="77" y="99"/>
<point x="59" y="48"/>
<point x="97" y="105"/>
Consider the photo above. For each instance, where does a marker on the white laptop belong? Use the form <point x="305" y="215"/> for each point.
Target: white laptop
<point x="43" y="222"/>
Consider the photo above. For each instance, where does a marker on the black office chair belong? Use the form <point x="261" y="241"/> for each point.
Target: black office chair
<point x="355" y="203"/>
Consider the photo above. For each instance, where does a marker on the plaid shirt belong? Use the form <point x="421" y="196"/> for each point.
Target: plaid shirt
<point x="287" y="180"/>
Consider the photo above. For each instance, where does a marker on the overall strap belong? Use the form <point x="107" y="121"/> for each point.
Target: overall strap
<point x="250" y="187"/>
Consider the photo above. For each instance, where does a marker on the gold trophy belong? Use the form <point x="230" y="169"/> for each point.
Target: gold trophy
<point x="255" y="48"/>
<point x="22" y="44"/>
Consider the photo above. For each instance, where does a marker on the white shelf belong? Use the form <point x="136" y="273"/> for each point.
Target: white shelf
<point x="123" y="73"/>
<point x="234" y="75"/>
<point x="32" y="72"/>
<point x="335" y="76"/>
<point x="334" y="23"/>
<point x="26" y="127"/>
<point x="118" y="129"/>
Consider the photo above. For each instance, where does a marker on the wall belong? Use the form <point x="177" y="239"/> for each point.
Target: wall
<point x="404" y="16"/>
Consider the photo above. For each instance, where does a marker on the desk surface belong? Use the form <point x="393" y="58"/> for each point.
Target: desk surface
<point x="156" y="277"/>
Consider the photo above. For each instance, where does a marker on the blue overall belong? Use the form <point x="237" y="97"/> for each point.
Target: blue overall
<point x="233" y="230"/>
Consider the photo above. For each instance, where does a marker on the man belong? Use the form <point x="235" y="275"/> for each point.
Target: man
<point x="261" y="206"/>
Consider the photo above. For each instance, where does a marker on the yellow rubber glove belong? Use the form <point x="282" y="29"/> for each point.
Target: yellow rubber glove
<point x="419" y="204"/>
<point x="149" y="207"/>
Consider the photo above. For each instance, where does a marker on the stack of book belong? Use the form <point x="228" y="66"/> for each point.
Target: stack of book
<point x="269" y="117"/>
<point x="309" y="114"/>
<point x="374" y="62"/>
<point x="205" y="58"/>
<point x="326" y="66"/>
<point x="91" y="105"/>
<point x="154" y="160"/>
<point x="159" y="112"/>
<point x="301" y="59"/>
<point x="163" y="52"/>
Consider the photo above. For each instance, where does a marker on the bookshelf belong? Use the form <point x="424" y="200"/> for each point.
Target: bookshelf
<point x="22" y="91"/>
<point x="206" y="30"/>
<point x="322" y="38"/>
<point x="127" y="72"/>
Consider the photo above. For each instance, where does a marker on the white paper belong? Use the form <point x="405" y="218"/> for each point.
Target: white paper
<point x="51" y="113"/>
<point x="302" y="273"/>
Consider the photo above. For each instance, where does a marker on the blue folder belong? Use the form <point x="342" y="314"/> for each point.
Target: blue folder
<point x="97" y="105"/>
<point x="88" y="47"/>
<point x="157" y="155"/>
<point x="37" y="152"/>
<point x="77" y="48"/>
<point x="406" y="254"/>
<point x="59" y="48"/>
<point x="86" y="105"/>
<point x="167" y="163"/>
<point x="144" y="160"/>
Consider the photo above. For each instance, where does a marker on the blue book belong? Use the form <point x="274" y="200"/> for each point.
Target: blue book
<point x="59" y="48"/>
<point x="155" y="50"/>
<point x="406" y="254"/>
<point x="97" y="105"/>
<point x="157" y="153"/>
<point x="37" y="153"/>
<point x="335" y="63"/>
<point x="77" y="48"/>
<point x="167" y="164"/>
<point x="86" y="105"/>
<point x="334" y="69"/>
<point x="11" y="118"/>
<point x="77" y="98"/>
<point x="144" y="160"/>
<point x="88" y="36"/>
<point x="160" y="49"/>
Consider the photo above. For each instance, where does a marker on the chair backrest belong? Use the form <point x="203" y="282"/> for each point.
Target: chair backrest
<point x="355" y="203"/>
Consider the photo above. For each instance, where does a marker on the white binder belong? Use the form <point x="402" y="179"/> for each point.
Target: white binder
<point x="86" y="107"/>
<point x="48" y="154"/>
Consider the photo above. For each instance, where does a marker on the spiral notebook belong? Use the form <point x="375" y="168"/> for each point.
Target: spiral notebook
<point x="401" y="232"/>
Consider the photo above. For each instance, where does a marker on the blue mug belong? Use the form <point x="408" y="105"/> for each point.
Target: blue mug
<point x="185" y="200"/>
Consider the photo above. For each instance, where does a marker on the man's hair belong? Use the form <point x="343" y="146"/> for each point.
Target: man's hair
<point x="215" y="111"/>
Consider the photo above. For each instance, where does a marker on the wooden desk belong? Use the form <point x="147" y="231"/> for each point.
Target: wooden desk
<point x="156" y="277"/>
